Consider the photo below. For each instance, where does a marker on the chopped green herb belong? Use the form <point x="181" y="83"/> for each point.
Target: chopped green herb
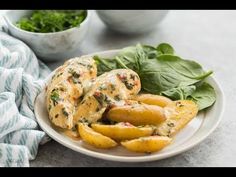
<point x="62" y="89"/>
<point x="59" y="74"/>
<point x="117" y="98"/>
<point x="113" y="87"/>
<point x="53" y="76"/>
<point x="102" y="87"/>
<point x="84" y="120"/>
<point x="171" y="124"/>
<point x="75" y="128"/>
<point x="82" y="64"/>
<point x="101" y="98"/>
<point x="97" y="109"/>
<point x="122" y="77"/>
<point x="178" y="104"/>
<point x="89" y="66"/>
<point x="107" y="100"/>
<point x="132" y="76"/>
<point x="55" y="97"/>
<point x="129" y="86"/>
<point x="46" y="21"/>
<point x="76" y="81"/>
<point x="65" y="112"/>
<point x="74" y="73"/>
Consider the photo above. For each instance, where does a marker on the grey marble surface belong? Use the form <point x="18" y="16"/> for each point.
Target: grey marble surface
<point x="209" y="36"/>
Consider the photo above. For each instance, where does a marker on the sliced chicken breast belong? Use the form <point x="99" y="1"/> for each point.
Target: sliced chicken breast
<point x="66" y="89"/>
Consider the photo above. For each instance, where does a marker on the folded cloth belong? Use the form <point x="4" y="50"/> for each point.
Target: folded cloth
<point x="21" y="80"/>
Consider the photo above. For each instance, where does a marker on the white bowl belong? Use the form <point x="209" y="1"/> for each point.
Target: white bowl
<point x="132" y="21"/>
<point x="48" y="46"/>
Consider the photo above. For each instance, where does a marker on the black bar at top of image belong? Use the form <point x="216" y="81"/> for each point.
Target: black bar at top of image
<point x="117" y="4"/>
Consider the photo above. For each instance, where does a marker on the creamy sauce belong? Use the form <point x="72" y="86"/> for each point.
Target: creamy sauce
<point x="69" y="133"/>
<point x="72" y="134"/>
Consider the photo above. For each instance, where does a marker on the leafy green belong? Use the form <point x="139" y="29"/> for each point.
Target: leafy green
<point x="169" y="71"/>
<point x="179" y="93"/>
<point x="150" y="51"/>
<point x="165" y="48"/>
<point x="162" y="72"/>
<point x="55" y="97"/>
<point x="204" y="96"/>
<point x="45" y="21"/>
<point x="104" y="65"/>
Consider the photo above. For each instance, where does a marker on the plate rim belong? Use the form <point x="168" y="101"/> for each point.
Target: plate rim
<point x="146" y="158"/>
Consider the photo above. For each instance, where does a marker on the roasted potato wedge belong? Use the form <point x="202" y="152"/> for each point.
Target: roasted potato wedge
<point x="94" y="138"/>
<point x="179" y="114"/>
<point x="151" y="99"/>
<point x="122" y="131"/>
<point x="147" y="144"/>
<point x="138" y="114"/>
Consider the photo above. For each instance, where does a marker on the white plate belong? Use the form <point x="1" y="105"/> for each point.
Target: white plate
<point x="195" y="132"/>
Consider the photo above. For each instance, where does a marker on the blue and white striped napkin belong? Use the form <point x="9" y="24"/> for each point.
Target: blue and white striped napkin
<point x="21" y="80"/>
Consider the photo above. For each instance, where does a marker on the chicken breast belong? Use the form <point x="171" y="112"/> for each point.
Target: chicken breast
<point x="110" y="88"/>
<point x="66" y="89"/>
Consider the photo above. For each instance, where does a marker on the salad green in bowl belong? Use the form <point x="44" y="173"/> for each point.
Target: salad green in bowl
<point x="48" y="21"/>
<point x="52" y="35"/>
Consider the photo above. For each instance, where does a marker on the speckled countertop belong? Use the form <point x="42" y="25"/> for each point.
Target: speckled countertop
<point x="209" y="36"/>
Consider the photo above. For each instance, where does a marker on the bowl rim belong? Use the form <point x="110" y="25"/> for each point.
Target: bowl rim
<point x="9" y="23"/>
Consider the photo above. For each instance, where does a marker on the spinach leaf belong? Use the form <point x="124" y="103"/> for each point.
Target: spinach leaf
<point x="186" y="68"/>
<point x="104" y="64"/>
<point x="132" y="57"/>
<point x="129" y="58"/>
<point x="169" y="71"/>
<point x="204" y="96"/>
<point x="179" y="93"/>
<point x="165" y="48"/>
<point x="151" y="51"/>
<point x="161" y="49"/>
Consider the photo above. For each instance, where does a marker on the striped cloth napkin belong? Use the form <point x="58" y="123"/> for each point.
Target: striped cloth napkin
<point x="21" y="80"/>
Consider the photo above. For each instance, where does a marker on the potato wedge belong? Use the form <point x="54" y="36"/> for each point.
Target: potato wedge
<point x="147" y="144"/>
<point x="179" y="114"/>
<point x="122" y="131"/>
<point x="138" y="114"/>
<point x="151" y="99"/>
<point x="96" y="139"/>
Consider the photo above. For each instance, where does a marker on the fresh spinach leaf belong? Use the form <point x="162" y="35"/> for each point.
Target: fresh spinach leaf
<point x="104" y="64"/>
<point x="131" y="57"/>
<point x="150" y="51"/>
<point x="165" y="48"/>
<point x="204" y="96"/>
<point x="179" y="93"/>
<point x="169" y="71"/>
